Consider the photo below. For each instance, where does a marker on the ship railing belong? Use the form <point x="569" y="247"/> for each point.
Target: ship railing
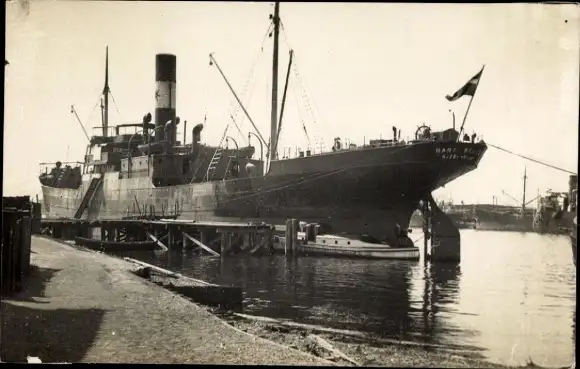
<point x="297" y="152"/>
<point x="386" y="144"/>
<point x="100" y="131"/>
<point x="45" y="168"/>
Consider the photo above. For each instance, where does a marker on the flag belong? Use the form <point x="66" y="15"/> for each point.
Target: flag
<point x="468" y="89"/>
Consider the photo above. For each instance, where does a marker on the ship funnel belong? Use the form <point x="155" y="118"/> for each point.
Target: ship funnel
<point x="165" y="96"/>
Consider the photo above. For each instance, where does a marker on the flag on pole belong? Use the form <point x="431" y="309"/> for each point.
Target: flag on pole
<point x="468" y="89"/>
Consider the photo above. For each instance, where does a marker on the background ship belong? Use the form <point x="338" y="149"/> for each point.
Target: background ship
<point x="553" y="213"/>
<point x="371" y="189"/>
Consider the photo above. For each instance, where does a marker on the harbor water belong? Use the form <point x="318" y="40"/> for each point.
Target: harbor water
<point x="511" y="300"/>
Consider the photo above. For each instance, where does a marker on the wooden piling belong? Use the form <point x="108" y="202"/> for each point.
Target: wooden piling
<point x="223" y="244"/>
<point x="170" y="239"/>
<point x="295" y="241"/>
<point x="184" y="240"/>
<point x="288" y="236"/>
<point x="426" y="231"/>
<point x="235" y="237"/>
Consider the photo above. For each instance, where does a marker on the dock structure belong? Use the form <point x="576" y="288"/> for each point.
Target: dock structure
<point x="17" y="215"/>
<point x="213" y="237"/>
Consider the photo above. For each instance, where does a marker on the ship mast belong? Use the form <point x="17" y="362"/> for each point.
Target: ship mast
<point x="274" y="113"/>
<point x="106" y="91"/>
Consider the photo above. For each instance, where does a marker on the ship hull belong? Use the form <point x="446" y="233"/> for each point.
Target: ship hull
<point x="370" y="198"/>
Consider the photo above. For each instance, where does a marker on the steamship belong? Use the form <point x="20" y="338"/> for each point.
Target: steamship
<point x="369" y="190"/>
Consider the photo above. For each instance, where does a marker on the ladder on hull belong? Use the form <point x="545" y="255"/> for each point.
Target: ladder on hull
<point x="215" y="160"/>
<point x="89" y="195"/>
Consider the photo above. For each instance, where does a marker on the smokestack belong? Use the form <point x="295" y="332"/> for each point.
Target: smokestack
<point x="165" y="95"/>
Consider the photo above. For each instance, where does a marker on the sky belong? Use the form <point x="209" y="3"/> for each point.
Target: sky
<point x="363" y="68"/>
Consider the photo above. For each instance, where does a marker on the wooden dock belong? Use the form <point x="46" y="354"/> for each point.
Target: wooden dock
<point x="215" y="238"/>
<point x="16" y="238"/>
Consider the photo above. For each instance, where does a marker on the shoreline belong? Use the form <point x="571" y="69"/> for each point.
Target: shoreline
<point x="297" y="344"/>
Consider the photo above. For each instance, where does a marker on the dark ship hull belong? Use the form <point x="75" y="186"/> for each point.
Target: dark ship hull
<point x="378" y="188"/>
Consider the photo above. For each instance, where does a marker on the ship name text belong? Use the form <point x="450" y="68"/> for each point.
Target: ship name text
<point x="455" y="153"/>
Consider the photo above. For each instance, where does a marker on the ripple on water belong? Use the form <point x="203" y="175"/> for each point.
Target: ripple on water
<point x="511" y="299"/>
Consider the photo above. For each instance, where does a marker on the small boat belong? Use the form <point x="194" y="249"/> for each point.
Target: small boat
<point x="333" y="245"/>
<point x="116" y="246"/>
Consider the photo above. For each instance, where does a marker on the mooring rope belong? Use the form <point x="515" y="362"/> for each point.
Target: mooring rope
<point x="531" y="159"/>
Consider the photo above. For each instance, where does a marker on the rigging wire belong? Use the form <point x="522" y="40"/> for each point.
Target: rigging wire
<point x="295" y="94"/>
<point x="531" y="159"/>
<point x="246" y="90"/>
<point x="116" y="107"/>
<point x="305" y="98"/>
<point x="92" y="111"/>
<point x="306" y="101"/>
<point x="294" y="88"/>
<point x="90" y="116"/>
<point x="250" y="80"/>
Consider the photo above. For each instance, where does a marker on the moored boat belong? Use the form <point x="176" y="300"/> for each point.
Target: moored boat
<point x="116" y="246"/>
<point x="338" y="246"/>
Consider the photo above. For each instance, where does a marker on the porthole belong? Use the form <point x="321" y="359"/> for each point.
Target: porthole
<point x="348" y="243"/>
<point x="323" y="241"/>
<point x="336" y="242"/>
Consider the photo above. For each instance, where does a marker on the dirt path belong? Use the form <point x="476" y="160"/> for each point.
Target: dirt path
<point x="87" y="307"/>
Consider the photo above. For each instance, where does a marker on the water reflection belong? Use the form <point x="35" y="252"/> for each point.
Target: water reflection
<point x="510" y="300"/>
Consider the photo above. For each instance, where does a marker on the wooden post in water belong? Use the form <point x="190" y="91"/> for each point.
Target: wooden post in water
<point x="170" y="239"/>
<point x="295" y="242"/>
<point x="225" y="243"/>
<point x="288" y="244"/>
<point x="426" y="230"/>
<point x="246" y="244"/>
<point x="184" y="240"/>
